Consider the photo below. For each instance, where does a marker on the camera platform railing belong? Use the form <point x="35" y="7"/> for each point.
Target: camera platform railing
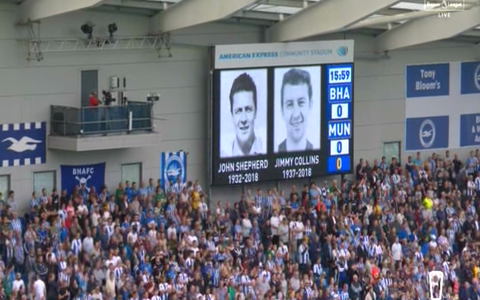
<point x="101" y="120"/>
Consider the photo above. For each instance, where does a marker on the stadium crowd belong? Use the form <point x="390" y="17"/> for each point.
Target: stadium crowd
<point x="374" y="237"/>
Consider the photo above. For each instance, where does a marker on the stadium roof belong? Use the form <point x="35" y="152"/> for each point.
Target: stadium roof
<point x="395" y="24"/>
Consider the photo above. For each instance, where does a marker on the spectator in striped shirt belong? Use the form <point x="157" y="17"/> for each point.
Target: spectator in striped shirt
<point x="175" y="242"/>
<point x="303" y="256"/>
<point x="16" y="224"/>
<point x="34" y="201"/>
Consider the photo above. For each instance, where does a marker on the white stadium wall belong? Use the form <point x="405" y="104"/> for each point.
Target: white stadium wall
<point x="27" y="89"/>
<point x="379" y="110"/>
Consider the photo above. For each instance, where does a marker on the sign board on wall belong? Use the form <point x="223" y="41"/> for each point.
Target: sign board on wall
<point x="283" y="54"/>
<point x="427" y="133"/>
<point x="470" y="130"/>
<point x="173" y="168"/>
<point x="428" y="80"/>
<point x="23" y="144"/>
<point x="282" y="111"/>
<point x="470" y="80"/>
<point x="83" y="175"/>
<point x="444" y="97"/>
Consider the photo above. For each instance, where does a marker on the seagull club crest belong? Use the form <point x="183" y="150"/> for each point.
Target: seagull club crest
<point x="427" y="133"/>
<point x="24" y="144"/>
<point x="476" y="77"/>
<point x="174" y="168"/>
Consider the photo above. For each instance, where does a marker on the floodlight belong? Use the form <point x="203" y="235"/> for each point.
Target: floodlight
<point x="87" y="29"/>
<point x="153" y="97"/>
<point x="112" y="28"/>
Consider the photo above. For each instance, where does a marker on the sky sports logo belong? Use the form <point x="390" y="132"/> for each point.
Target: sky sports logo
<point x="444" y="8"/>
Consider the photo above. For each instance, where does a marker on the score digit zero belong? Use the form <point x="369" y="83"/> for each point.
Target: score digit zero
<point x="340" y="111"/>
<point x="338" y="163"/>
<point x="339" y="147"/>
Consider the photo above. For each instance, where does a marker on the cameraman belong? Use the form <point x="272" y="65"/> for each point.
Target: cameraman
<point x="107" y="98"/>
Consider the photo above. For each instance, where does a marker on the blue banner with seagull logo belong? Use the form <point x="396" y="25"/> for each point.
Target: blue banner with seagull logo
<point x="470" y="78"/>
<point x="23" y="144"/>
<point x="83" y="175"/>
<point x="173" y="167"/>
<point x="426" y="133"/>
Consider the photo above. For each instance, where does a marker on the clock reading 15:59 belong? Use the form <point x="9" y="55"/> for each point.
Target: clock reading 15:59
<point x="340" y="75"/>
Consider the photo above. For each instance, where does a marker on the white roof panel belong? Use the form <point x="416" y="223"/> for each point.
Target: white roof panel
<point x="270" y="9"/>
<point x="167" y="1"/>
<point x="276" y="9"/>
<point x="409" y="6"/>
<point x="375" y="16"/>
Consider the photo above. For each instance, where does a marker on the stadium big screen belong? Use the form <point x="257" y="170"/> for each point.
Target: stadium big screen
<point x="281" y="111"/>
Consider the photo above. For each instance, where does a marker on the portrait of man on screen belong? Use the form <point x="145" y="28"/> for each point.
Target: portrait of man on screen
<point x="296" y="106"/>
<point x="243" y="109"/>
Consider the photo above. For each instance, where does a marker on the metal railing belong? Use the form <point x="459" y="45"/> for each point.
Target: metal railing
<point x="73" y="121"/>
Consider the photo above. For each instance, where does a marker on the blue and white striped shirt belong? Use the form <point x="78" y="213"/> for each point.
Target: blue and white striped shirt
<point x="183" y="278"/>
<point x="471" y="164"/>
<point x="245" y="283"/>
<point x="141" y="257"/>
<point x="189" y="262"/>
<point x="317" y="269"/>
<point x="446" y="268"/>
<point x="344" y="296"/>
<point x="151" y="190"/>
<point x="386" y="284"/>
<point x="303" y="255"/>
<point x="211" y="246"/>
<point x="163" y="288"/>
<point x="267" y="205"/>
<point x="471" y="209"/>
<point x="258" y="201"/>
<point x="265" y="274"/>
<point x="215" y="277"/>
<point x="62" y="214"/>
<point x="76" y="246"/>
<point x="270" y="264"/>
<point x="64" y="278"/>
<point x="455" y="225"/>
<point x="144" y="191"/>
<point x="118" y="273"/>
<point x="178" y="287"/>
<point x="43" y="199"/>
<point x="419" y="256"/>
<point x="236" y="279"/>
<point x="34" y="203"/>
<point x="16" y="225"/>
<point x="308" y="292"/>
<point x="176" y="188"/>
<point x="62" y="266"/>
<point x="109" y="231"/>
<point x="335" y="295"/>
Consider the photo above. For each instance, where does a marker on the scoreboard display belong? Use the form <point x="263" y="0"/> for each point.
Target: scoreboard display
<point x="281" y="111"/>
<point x="339" y="119"/>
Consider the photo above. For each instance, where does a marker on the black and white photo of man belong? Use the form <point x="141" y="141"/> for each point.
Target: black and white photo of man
<point x="297" y="109"/>
<point x="243" y="113"/>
